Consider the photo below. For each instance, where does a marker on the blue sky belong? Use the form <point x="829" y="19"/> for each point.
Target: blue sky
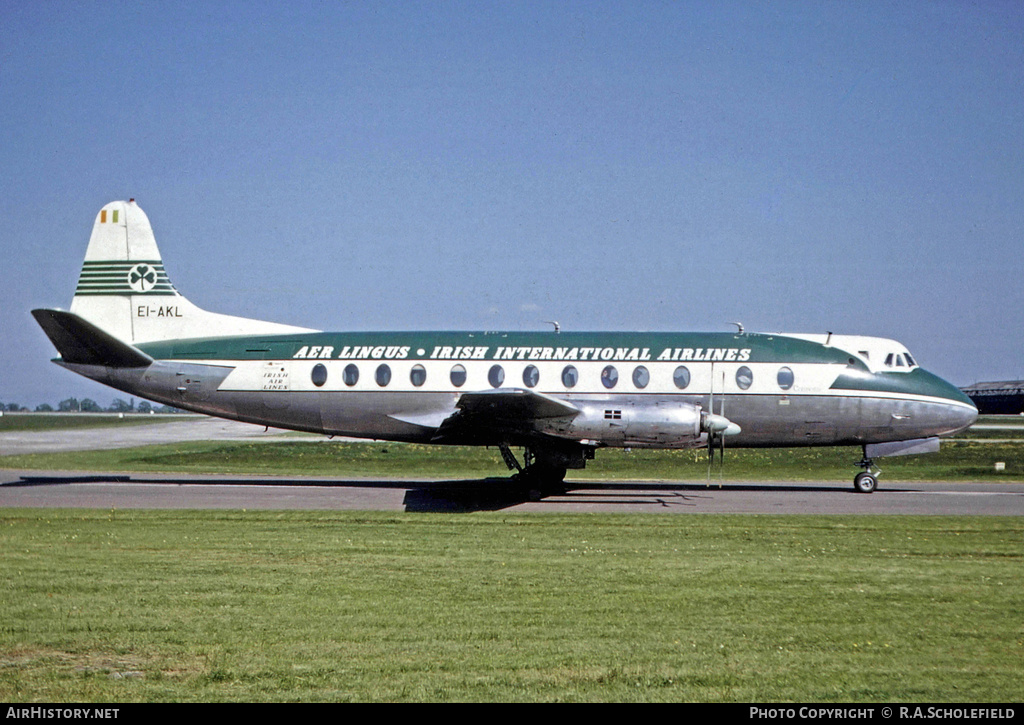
<point x="797" y="166"/>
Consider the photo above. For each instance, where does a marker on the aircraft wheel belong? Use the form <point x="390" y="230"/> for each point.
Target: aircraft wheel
<point x="544" y="481"/>
<point x="864" y="482"/>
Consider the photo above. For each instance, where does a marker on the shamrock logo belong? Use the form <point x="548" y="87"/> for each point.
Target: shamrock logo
<point x="142" y="278"/>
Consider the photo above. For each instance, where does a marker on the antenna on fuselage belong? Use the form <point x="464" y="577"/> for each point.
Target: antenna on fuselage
<point x="739" y="327"/>
<point x="558" y="327"/>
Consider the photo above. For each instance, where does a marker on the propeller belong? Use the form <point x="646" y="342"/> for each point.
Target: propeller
<point x="717" y="425"/>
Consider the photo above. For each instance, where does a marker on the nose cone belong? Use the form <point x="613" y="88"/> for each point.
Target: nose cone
<point x="961" y="417"/>
<point x="959" y="412"/>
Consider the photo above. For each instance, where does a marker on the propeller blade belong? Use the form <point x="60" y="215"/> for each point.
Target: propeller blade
<point x="709" y="427"/>
<point x="711" y="456"/>
<point x="721" y="436"/>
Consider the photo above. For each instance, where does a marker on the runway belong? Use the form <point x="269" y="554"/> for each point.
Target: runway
<point x="70" y="489"/>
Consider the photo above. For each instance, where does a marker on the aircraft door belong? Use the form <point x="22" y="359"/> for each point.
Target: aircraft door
<point x="275" y="384"/>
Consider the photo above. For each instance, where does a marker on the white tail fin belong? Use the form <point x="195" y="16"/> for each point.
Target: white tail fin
<point x="124" y="289"/>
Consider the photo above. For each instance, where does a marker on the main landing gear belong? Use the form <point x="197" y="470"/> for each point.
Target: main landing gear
<point x="544" y="472"/>
<point x="867" y="480"/>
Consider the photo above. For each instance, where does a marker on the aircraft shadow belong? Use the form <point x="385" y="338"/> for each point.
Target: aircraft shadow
<point x="471" y="495"/>
<point x="465" y="496"/>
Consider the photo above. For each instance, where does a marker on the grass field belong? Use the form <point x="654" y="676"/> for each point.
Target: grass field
<point x="119" y="606"/>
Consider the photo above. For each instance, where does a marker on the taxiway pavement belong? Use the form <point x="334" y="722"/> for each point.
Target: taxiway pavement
<point x="197" y="428"/>
<point x="62" y="489"/>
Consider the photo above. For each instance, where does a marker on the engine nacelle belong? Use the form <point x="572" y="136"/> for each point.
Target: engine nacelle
<point x="637" y="425"/>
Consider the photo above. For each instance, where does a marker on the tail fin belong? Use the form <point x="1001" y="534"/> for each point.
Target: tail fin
<point x="125" y="291"/>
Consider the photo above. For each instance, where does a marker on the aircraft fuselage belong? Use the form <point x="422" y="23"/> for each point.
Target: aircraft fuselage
<point x="779" y="390"/>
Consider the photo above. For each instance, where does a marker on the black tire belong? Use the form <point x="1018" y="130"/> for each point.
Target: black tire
<point x="543" y="480"/>
<point x="865" y="483"/>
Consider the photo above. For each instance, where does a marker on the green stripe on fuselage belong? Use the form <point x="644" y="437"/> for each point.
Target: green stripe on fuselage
<point x="914" y="382"/>
<point x="511" y="346"/>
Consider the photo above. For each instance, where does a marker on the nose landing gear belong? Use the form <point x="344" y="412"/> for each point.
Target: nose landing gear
<point x="867" y="480"/>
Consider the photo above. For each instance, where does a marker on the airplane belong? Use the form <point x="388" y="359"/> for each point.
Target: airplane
<point x="560" y="396"/>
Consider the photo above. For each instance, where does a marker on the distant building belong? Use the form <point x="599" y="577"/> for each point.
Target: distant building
<point x="1005" y="398"/>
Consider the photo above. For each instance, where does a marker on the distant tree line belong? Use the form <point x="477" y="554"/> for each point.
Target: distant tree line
<point x="88" y="405"/>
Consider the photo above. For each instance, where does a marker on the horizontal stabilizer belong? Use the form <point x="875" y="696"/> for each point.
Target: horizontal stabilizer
<point x="82" y="343"/>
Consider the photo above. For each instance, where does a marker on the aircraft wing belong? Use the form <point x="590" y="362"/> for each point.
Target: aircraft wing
<point x="500" y="414"/>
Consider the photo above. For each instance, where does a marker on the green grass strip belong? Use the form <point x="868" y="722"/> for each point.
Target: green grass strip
<point x="117" y="606"/>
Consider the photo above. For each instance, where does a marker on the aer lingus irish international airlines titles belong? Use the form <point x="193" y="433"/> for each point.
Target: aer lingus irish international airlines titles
<point x="561" y="396"/>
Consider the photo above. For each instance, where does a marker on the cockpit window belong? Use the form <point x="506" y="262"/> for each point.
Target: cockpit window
<point x="899" y="360"/>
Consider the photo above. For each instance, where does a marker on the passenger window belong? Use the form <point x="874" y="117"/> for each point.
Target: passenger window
<point x="570" y="376"/>
<point x="383" y="375"/>
<point x="609" y="377"/>
<point x="785" y="378"/>
<point x="351" y="375"/>
<point x="458" y="376"/>
<point x="744" y="377"/>
<point x="641" y="376"/>
<point x="496" y="376"/>
<point x="319" y="375"/>
<point x="681" y="377"/>
<point x="418" y="375"/>
<point x="531" y="376"/>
